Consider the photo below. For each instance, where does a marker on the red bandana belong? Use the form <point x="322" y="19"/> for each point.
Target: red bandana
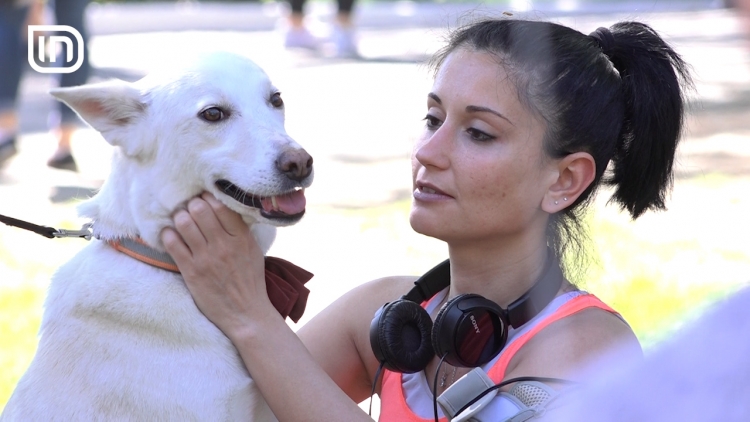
<point x="284" y="280"/>
<point x="285" y="284"/>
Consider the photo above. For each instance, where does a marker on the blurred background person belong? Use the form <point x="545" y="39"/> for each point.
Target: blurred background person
<point x="15" y="15"/>
<point x="65" y="121"/>
<point x="14" y="19"/>
<point x="342" y="38"/>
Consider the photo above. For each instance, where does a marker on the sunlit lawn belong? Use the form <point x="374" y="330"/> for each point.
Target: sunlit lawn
<point x="27" y="262"/>
<point x="658" y="272"/>
<point x="19" y="321"/>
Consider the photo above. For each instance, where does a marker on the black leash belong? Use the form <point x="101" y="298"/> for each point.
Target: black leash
<point x="48" y="232"/>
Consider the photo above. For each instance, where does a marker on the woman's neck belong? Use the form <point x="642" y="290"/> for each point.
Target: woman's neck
<point x="501" y="274"/>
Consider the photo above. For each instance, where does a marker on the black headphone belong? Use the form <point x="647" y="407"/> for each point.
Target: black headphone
<point x="469" y="330"/>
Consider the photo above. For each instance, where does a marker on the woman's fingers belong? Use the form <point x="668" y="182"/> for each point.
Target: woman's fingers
<point x="225" y="232"/>
<point x="220" y="261"/>
<point x="205" y="219"/>
<point x="185" y="225"/>
<point x="229" y="220"/>
<point x="175" y="246"/>
<point x="212" y="240"/>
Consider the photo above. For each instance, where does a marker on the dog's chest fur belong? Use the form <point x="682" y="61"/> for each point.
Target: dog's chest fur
<point x="121" y="339"/>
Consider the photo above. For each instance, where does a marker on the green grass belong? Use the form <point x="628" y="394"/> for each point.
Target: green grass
<point x="657" y="276"/>
<point x="27" y="262"/>
<point x="656" y="279"/>
<point x="19" y="321"/>
<point x="664" y="271"/>
<point x="636" y="277"/>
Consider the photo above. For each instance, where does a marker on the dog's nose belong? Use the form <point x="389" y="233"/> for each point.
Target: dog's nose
<point x="296" y="164"/>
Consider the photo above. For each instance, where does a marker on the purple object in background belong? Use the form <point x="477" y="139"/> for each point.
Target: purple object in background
<point x="702" y="373"/>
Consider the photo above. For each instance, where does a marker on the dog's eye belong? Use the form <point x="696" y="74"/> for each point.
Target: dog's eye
<point x="276" y="100"/>
<point x="213" y="114"/>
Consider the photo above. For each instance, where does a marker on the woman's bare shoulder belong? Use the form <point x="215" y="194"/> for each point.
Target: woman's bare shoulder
<point x="361" y="302"/>
<point x="344" y="327"/>
<point x="383" y="289"/>
<point x="566" y="347"/>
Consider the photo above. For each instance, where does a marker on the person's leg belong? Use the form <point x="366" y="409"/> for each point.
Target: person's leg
<point x="297" y="36"/>
<point x="71" y="13"/>
<point x="297" y="16"/>
<point x="344" y="36"/>
<point x="344" y="15"/>
<point x="12" y="59"/>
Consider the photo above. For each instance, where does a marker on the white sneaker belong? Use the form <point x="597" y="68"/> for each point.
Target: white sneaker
<point x="300" y="38"/>
<point x="344" y="42"/>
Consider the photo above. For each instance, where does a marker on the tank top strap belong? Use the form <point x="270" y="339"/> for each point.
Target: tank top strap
<point x="393" y="406"/>
<point x="573" y="306"/>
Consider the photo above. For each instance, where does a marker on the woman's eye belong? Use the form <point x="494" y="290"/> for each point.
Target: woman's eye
<point x="276" y="100"/>
<point x="212" y="114"/>
<point x="478" y="135"/>
<point x="432" y="121"/>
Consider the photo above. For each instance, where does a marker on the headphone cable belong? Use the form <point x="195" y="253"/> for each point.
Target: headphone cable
<point x="434" y="387"/>
<point x="375" y="383"/>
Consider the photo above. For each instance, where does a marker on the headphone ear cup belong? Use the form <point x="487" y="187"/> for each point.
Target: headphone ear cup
<point x="442" y="337"/>
<point x="469" y="331"/>
<point x="400" y="336"/>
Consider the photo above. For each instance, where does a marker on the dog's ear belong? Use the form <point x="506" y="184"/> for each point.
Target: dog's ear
<point x="109" y="107"/>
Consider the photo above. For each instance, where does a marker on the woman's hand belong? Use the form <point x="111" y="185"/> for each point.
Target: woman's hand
<point x="221" y="263"/>
<point x="224" y="269"/>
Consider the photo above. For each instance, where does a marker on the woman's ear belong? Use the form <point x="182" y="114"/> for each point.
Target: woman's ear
<point x="575" y="172"/>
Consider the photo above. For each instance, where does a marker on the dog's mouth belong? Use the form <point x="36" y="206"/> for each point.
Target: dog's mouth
<point x="289" y="206"/>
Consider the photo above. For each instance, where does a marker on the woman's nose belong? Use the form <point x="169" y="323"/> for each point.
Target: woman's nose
<point x="433" y="148"/>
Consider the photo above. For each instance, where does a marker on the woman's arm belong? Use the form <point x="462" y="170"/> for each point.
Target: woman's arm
<point x="294" y="385"/>
<point x="339" y="336"/>
<point x="224" y="271"/>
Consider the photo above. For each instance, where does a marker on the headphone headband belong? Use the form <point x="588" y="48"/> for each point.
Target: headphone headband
<point x="540" y="295"/>
<point x="519" y="312"/>
<point x="430" y="283"/>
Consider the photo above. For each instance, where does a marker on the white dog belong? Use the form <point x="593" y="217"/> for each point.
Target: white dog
<point x="123" y="340"/>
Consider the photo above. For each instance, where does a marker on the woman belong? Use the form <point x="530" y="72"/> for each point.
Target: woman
<point x="523" y="120"/>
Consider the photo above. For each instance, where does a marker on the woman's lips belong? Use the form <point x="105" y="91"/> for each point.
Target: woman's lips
<point x="426" y="192"/>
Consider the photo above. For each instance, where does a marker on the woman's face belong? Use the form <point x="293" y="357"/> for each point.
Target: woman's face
<point x="478" y="170"/>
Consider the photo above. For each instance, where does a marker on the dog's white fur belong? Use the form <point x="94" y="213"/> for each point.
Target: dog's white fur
<point x="121" y="339"/>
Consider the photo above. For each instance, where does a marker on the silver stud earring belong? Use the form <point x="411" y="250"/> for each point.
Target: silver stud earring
<point x="565" y="199"/>
<point x="555" y="202"/>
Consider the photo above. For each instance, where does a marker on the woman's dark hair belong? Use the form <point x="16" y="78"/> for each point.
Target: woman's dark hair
<point x="618" y="94"/>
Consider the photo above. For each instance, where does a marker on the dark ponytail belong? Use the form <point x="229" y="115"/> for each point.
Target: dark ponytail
<point x="652" y="77"/>
<point x="617" y="94"/>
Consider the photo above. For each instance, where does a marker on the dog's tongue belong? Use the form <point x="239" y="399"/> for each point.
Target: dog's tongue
<point x="290" y="203"/>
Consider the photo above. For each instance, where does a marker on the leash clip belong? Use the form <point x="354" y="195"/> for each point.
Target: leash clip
<point x="85" y="232"/>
